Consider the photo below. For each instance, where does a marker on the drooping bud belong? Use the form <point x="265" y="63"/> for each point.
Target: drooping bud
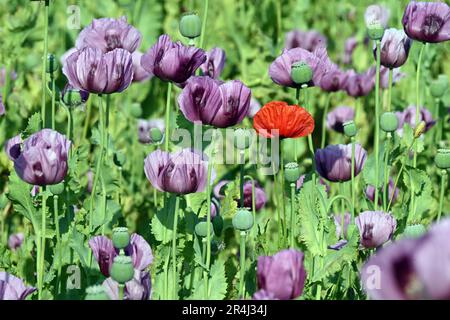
<point x="442" y="159"/>
<point x="389" y="122"/>
<point x="122" y="269"/>
<point x="52" y="63"/>
<point x="243" y="220"/>
<point x="190" y="25"/>
<point x="375" y="30"/>
<point x="301" y="73"/>
<point x="120" y="237"/>
<point x="439" y="86"/>
<point x="96" y="293"/>
<point x="291" y="172"/>
<point x="201" y="229"/>
<point x="421" y="127"/>
<point x="242" y="138"/>
<point x="350" y="128"/>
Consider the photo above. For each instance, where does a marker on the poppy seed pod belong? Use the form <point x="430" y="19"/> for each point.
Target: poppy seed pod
<point x="291" y="172"/>
<point x="301" y="73"/>
<point x="122" y="269"/>
<point x="57" y="189"/>
<point x="120" y="237"/>
<point x="243" y="220"/>
<point x="201" y="229"/>
<point x="190" y="25"/>
<point x="375" y="30"/>
<point x="414" y="231"/>
<point x="52" y="64"/>
<point x="150" y="131"/>
<point x="242" y="138"/>
<point x="389" y="122"/>
<point x="97" y="292"/>
<point x="350" y="129"/>
<point x="439" y="86"/>
<point x="442" y="159"/>
<point x="156" y="135"/>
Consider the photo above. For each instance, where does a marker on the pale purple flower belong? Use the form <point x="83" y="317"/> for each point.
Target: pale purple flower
<point x="375" y="228"/>
<point x="301" y="180"/>
<point x="377" y="13"/>
<point x="144" y="127"/>
<point x="308" y="40"/>
<point x="210" y="102"/>
<point x="43" y="158"/>
<point x="337" y="118"/>
<point x="15" y="241"/>
<point x="13" y="146"/>
<point x="260" y="196"/>
<point x="255" y="106"/>
<point x="214" y="64"/>
<point x="408" y="116"/>
<point x="370" y="193"/>
<point x="67" y="54"/>
<point x="13" y="288"/>
<point x="360" y="84"/>
<point x="264" y="295"/>
<point x="350" y="46"/>
<point x="12" y="76"/>
<point x="334" y="79"/>
<point x="96" y="72"/>
<point x="139" y="73"/>
<point x="108" y="34"/>
<point x="334" y="162"/>
<point x="395" y="46"/>
<point x="2" y="106"/>
<point x="342" y="232"/>
<point x="139" y="288"/>
<point x="397" y="75"/>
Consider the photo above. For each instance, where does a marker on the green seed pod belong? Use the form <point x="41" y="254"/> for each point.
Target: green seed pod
<point x="122" y="269"/>
<point x="291" y="172"/>
<point x="389" y="122"/>
<point x="52" y="64"/>
<point x="120" y="237"/>
<point x="350" y="129"/>
<point x="442" y="159"/>
<point x="243" y="220"/>
<point x="420" y="129"/>
<point x="57" y="189"/>
<point x="190" y="25"/>
<point x="439" y="86"/>
<point x="301" y="73"/>
<point x="242" y="138"/>
<point x="119" y="158"/>
<point x="156" y="135"/>
<point x="136" y="110"/>
<point x="375" y="30"/>
<point x="201" y="229"/>
<point x="414" y="231"/>
<point x="96" y="293"/>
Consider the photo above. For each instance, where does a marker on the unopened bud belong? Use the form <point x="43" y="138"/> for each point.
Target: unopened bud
<point x="420" y="129"/>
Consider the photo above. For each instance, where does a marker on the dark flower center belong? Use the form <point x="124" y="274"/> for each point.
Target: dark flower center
<point x="112" y="39"/>
<point x="368" y="231"/>
<point x="432" y="24"/>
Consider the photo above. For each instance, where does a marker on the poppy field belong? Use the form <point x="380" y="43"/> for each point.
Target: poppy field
<point x="224" y="150"/>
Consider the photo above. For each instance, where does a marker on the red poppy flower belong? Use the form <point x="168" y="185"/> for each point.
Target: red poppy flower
<point x="290" y="121"/>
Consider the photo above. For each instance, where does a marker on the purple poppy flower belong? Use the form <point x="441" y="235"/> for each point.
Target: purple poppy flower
<point x="13" y="288"/>
<point x="255" y="106"/>
<point x="282" y="275"/>
<point x="280" y="69"/>
<point x="377" y="13"/>
<point x="427" y="21"/>
<point x="12" y="147"/>
<point x="2" y="106"/>
<point x="397" y="75"/>
<point x="108" y="34"/>
<point x="395" y="46"/>
<point x="90" y="181"/>
<point x="181" y="172"/>
<point x="172" y="61"/>
<point x="96" y="72"/>
<point x="139" y="73"/>
<point x="370" y="192"/>
<point x="334" y="162"/>
<point x="43" y="158"/>
<point x="221" y="105"/>
<point x="264" y="295"/>
<point x="15" y="241"/>
<point x="104" y="252"/>
<point x="219" y="188"/>
<point x="308" y="40"/>
<point x="338" y="245"/>
<point x="334" y="80"/>
<point x="67" y="54"/>
<point x="408" y="116"/>
<point x="321" y="181"/>
<point x="144" y="127"/>
<point x="349" y="46"/>
<point x="34" y="191"/>
<point x="12" y="76"/>
<point x="338" y="224"/>
<point x="337" y="118"/>
<point x="139" y="288"/>
<point x="260" y="196"/>
<point x="375" y="228"/>
<point x="214" y="64"/>
<point x="360" y="84"/>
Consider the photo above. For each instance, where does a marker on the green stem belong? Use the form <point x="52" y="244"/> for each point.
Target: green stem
<point x="205" y="15"/>
<point x="292" y="243"/>
<point x="310" y="142"/>
<point x="283" y="205"/>
<point x="58" y="242"/>
<point x="441" y="196"/>
<point x="7" y="84"/>
<point x="167" y="121"/>
<point x="121" y="291"/>
<point x="241" y="182"/>
<point x="386" y="173"/>
<point x="242" y="266"/>
<point x="388" y="107"/>
<point x="44" y="64"/>
<point x="174" y="248"/>
<point x="439" y="120"/>
<point x="377" y="123"/>
<point x="419" y="63"/>
<point x="88" y="118"/>
<point x="277" y="206"/>
<point x="324" y="121"/>
<point x="208" y="221"/>
<point x="52" y="77"/>
<point x="43" y="235"/>
<point x="353" y="179"/>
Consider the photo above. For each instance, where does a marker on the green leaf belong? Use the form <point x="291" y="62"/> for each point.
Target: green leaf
<point x="229" y="203"/>
<point x="217" y="284"/>
<point x="77" y="244"/>
<point x="162" y="222"/>
<point x="417" y="180"/>
<point x="369" y="169"/>
<point x="34" y="125"/>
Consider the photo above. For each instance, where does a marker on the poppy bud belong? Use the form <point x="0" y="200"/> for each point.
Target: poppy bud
<point x="201" y="229"/>
<point x="414" y="231"/>
<point x="122" y="269"/>
<point x="119" y="158"/>
<point x="243" y="220"/>
<point x="136" y="110"/>
<point x="52" y="63"/>
<point x="190" y="25"/>
<point x="242" y="138"/>
<point x="57" y="189"/>
<point x="301" y="72"/>
<point x="375" y="30"/>
<point x="442" y="159"/>
<point x="73" y="97"/>
<point x="421" y="127"/>
<point x="96" y="293"/>
<point x="291" y="172"/>
<point x="349" y="128"/>
<point x="389" y="122"/>
<point x="156" y="135"/>
<point x="120" y="237"/>
<point x="439" y="86"/>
